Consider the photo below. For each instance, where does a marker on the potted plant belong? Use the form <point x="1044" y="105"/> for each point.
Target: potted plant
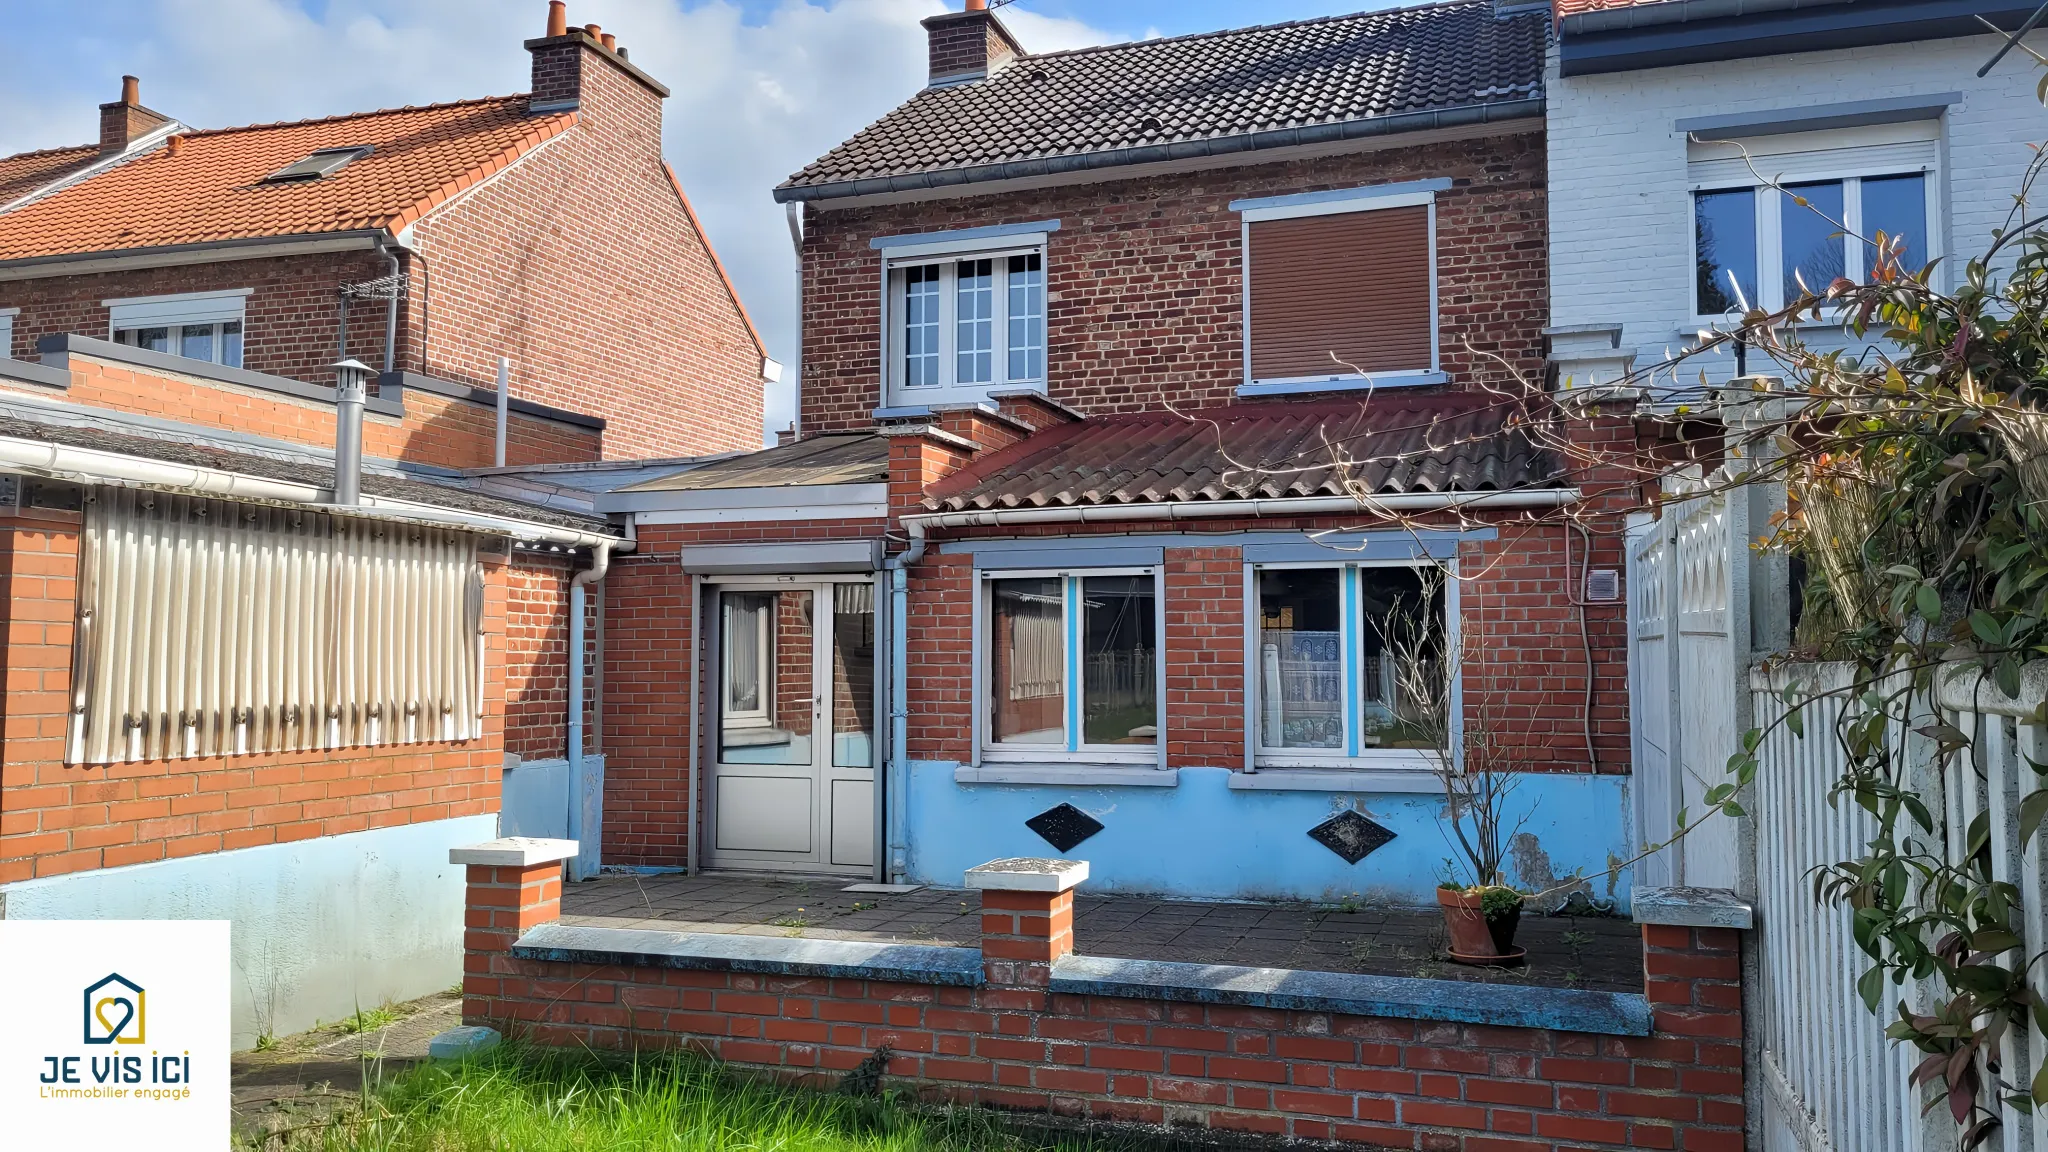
<point x="1472" y="761"/>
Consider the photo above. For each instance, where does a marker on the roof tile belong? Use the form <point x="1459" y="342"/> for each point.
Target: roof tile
<point x="1435" y="443"/>
<point x="25" y="172"/>
<point x="1207" y="86"/>
<point x="212" y="188"/>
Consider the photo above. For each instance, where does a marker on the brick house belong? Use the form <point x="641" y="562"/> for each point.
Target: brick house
<point x="230" y="684"/>
<point x="1108" y="354"/>
<point x="428" y="242"/>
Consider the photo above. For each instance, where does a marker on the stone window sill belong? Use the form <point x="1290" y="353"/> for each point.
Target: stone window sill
<point x="1336" y="780"/>
<point x="1071" y="775"/>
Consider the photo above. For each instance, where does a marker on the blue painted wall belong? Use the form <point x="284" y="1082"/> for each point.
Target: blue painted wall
<point x="319" y="926"/>
<point x="1204" y="839"/>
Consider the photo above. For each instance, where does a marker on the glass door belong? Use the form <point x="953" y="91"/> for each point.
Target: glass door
<point x="792" y="728"/>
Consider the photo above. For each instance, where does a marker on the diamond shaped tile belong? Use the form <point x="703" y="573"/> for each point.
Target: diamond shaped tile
<point x="1064" y="826"/>
<point x="1350" y="835"/>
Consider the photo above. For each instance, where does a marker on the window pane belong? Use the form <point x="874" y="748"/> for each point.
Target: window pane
<point x="975" y="322"/>
<point x="1724" y="226"/>
<point x="1027" y="662"/>
<point x="195" y="341"/>
<point x="1401" y="659"/>
<point x="765" y="698"/>
<point x="1119" y="653"/>
<point x="153" y="339"/>
<point x="921" y="327"/>
<point x="1813" y="237"/>
<point x="853" y="675"/>
<point x="1897" y="206"/>
<point x="1027" y="318"/>
<point x="1301" y="660"/>
<point x="231" y="344"/>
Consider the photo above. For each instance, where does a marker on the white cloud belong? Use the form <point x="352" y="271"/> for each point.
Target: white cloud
<point x="752" y="103"/>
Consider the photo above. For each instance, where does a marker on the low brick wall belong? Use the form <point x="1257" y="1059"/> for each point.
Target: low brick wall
<point x="1032" y="1027"/>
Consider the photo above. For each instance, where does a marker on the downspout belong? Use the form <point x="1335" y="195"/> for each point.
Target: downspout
<point x="391" y="309"/>
<point x="794" y="213"/>
<point x="897" y="784"/>
<point x="583" y="865"/>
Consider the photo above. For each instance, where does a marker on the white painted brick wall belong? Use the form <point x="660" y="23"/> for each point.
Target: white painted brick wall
<point x="1619" y="207"/>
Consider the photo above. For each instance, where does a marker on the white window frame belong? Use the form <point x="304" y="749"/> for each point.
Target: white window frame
<point x="1368" y="199"/>
<point x="176" y="311"/>
<point x="897" y="259"/>
<point x="1354" y="756"/>
<point x="987" y="751"/>
<point x="1769" y="204"/>
<point x="7" y="316"/>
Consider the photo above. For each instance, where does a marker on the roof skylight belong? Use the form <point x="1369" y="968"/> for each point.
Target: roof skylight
<point x="325" y="162"/>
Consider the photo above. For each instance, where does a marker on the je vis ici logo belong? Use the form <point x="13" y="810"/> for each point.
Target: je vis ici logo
<point x="115" y="1011"/>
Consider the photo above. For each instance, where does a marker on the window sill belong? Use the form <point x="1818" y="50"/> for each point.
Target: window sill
<point x="1416" y="780"/>
<point x="1341" y="384"/>
<point x="1072" y="775"/>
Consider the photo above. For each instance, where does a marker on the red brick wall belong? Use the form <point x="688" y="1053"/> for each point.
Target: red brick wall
<point x="57" y="818"/>
<point x="435" y="429"/>
<point x="1530" y="678"/>
<point x="582" y="264"/>
<point x="1434" y="1085"/>
<point x="1144" y="277"/>
<point x="648" y="638"/>
<point x="536" y="657"/>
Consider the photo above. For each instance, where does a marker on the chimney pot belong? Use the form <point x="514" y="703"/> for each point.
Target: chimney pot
<point x="977" y="5"/>
<point x="124" y="121"/>
<point x="131" y="90"/>
<point x="176" y="144"/>
<point x="622" y="52"/>
<point x="610" y="42"/>
<point x="594" y="30"/>
<point x="558" y="18"/>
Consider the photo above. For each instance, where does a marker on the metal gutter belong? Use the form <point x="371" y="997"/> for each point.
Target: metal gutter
<point x="1680" y="32"/>
<point x="91" y="466"/>
<point x="918" y="524"/>
<point x="1681" y="12"/>
<point x="172" y="255"/>
<point x="1498" y="111"/>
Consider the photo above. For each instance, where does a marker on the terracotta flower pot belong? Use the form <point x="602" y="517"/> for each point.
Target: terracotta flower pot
<point x="1474" y="939"/>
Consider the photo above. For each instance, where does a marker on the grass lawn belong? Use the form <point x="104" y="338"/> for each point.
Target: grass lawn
<point x="531" y="1101"/>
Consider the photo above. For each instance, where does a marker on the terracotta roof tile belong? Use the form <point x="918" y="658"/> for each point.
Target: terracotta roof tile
<point x="1574" y="7"/>
<point x="1423" y="443"/>
<point x="1203" y="87"/>
<point x="24" y="173"/>
<point x="212" y="188"/>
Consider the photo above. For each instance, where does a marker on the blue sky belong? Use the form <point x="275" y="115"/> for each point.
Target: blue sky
<point x="761" y="87"/>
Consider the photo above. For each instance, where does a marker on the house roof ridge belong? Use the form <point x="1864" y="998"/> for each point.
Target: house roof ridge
<point x="33" y="153"/>
<point x="342" y="116"/>
<point x="1305" y="22"/>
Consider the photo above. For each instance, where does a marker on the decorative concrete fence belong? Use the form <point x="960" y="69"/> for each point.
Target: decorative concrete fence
<point x="1024" y="1023"/>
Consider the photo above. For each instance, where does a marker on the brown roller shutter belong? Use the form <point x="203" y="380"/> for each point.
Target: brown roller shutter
<point x="1353" y="283"/>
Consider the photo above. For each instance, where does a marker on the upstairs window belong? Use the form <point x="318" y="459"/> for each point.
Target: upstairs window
<point x="196" y="325"/>
<point x="964" y="317"/>
<point x="7" y="316"/>
<point x="1340" y="289"/>
<point x="1759" y="247"/>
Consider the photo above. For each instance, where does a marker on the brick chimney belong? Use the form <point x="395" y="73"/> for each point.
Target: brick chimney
<point x="575" y="68"/>
<point x="125" y="120"/>
<point x="970" y="45"/>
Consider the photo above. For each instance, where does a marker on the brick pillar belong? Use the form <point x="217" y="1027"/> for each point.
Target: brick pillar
<point x="1692" y="977"/>
<point x="514" y="884"/>
<point x="1027" y="917"/>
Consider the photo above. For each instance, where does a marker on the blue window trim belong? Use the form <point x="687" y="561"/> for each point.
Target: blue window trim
<point x="1352" y="642"/>
<point x="1072" y="594"/>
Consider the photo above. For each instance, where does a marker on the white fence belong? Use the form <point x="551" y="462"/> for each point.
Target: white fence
<point x="1688" y="604"/>
<point x="1831" y="1080"/>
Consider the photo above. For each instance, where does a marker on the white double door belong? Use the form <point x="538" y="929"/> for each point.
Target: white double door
<point x="791" y="717"/>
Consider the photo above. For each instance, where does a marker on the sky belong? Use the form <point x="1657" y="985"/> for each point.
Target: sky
<point x="760" y="87"/>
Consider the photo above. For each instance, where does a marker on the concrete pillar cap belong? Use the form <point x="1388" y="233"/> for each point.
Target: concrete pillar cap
<point x="513" y="852"/>
<point x="1027" y="874"/>
<point x="1691" y="908"/>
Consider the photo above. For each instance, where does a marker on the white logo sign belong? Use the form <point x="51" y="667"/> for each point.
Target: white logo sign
<point x="116" y="1034"/>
